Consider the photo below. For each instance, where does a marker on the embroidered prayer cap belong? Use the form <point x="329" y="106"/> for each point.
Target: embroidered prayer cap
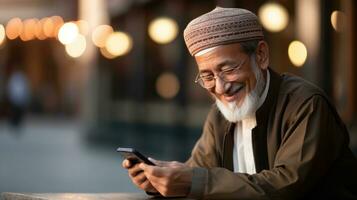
<point x="221" y="26"/>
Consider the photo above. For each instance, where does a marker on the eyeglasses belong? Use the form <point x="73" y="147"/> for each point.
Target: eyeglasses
<point x="227" y="75"/>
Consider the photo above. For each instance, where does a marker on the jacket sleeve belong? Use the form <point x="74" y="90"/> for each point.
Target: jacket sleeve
<point x="203" y="157"/>
<point x="311" y="142"/>
<point x="204" y="153"/>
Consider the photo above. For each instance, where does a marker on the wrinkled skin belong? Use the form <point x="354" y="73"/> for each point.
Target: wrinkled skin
<point x="231" y="55"/>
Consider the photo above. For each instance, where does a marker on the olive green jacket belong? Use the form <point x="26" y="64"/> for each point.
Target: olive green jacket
<point x="300" y="147"/>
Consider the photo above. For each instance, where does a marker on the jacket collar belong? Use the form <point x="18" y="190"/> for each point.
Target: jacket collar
<point x="263" y="114"/>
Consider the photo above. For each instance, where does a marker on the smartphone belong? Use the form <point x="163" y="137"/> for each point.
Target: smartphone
<point x="134" y="156"/>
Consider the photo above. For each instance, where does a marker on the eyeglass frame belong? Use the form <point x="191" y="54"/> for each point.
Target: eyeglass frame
<point x="199" y="80"/>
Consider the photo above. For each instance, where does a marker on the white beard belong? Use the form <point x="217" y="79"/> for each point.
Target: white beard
<point x="250" y="104"/>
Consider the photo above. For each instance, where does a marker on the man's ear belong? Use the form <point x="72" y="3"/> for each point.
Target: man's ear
<point x="262" y="55"/>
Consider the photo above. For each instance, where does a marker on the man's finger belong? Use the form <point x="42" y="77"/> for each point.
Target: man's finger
<point x="148" y="186"/>
<point x="134" y="171"/>
<point x="155" y="171"/>
<point x="126" y="164"/>
<point x="143" y="166"/>
<point x="160" y="188"/>
<point x="139" y="179"/>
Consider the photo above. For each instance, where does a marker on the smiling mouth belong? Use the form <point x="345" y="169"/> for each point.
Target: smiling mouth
<point x="234" y="89"/>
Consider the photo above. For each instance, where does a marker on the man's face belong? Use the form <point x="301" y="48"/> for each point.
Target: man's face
<point x="228" y="56"/>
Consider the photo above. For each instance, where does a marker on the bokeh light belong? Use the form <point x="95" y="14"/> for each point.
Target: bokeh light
<point x="2" y="34"/>
<point x="100" y="35"/>
<point x="273" y="17"/>
<point x="39" y="29"/>
<point x="338" y="20"/>
<point x="106" y="54"/>
<point x="48" y="27"/>
<point x="163" y="30"/>
<point x="77" y="47"/>
<point x="83" y="27"/>
<point x="58" y="23"/>
<point x="68" y="33"/>
<point x="297" y="53"/>
<point x="29" y="29"/>
<point x="167" y="85"/>
<point x="13" y="28"/>
<point x="118" y="43"/>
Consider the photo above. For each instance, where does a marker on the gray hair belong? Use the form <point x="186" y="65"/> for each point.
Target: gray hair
<point x="250" y="46"/>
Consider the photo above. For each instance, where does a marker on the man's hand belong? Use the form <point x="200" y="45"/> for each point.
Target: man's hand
<point x="138" y="177"/>
<point x="171" y="179"/>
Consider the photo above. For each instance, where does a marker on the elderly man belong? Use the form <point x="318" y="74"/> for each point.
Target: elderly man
<point x="268" y="136"/>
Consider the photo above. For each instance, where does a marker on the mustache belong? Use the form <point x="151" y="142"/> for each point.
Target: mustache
<point x="232" y="88"/>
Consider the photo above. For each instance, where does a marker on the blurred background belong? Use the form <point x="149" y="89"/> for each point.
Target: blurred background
<point x="79" y="78"/>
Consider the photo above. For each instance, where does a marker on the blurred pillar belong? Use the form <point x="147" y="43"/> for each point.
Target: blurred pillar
<point x="308" y="31"/>
<point x="344" y="62"/>
<point x="95" y="13"/>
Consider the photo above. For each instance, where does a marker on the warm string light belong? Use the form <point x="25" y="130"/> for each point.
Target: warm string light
<point x="297" y="53"/>
<point x="77" y="47"/>
<point x="68" y="33"/>
<point x="100" y="35"/>
<point x="273" y="16"/>
<point x="338" y="20"/>
<point x="72" y="34"/>
<point x="118" y="43"/>
<point x="2" y="34"/>
<point x="30" y="29"/>
<point x="167" y="85"/>
<point x="83" y="27"/>
<point x="39" y="31"/>
<point x="13" y="28"/>
<point x="163" y="30"/>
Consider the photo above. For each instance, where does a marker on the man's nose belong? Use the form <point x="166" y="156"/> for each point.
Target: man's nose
<point x="221" y="86"/>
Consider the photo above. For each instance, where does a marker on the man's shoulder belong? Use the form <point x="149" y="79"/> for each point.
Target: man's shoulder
<point x="296" y="93"/>
<point x="297" y="88"/>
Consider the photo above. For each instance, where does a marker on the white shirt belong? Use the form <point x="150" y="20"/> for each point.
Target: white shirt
<point x="243" y="157"/>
